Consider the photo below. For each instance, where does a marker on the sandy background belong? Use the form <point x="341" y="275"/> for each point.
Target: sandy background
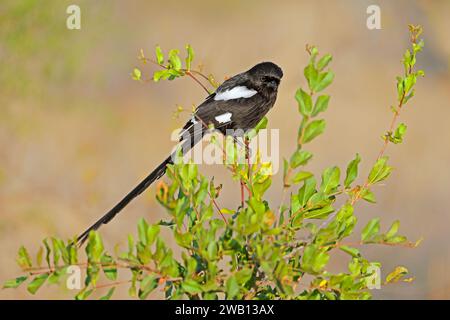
<point x="76" y="132"/>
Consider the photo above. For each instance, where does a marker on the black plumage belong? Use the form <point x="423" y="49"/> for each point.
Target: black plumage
<point x="237" y="105"/>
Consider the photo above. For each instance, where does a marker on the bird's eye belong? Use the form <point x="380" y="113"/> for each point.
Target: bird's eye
<point x="269" y="79"/>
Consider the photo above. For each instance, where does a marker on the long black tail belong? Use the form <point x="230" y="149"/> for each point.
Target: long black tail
<point x="156" y="174"/>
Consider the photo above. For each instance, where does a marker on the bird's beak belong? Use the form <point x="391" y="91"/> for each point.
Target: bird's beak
<point x="273" y="85"/>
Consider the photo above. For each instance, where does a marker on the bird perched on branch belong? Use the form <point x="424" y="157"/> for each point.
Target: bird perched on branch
<point x="236" y="106"/>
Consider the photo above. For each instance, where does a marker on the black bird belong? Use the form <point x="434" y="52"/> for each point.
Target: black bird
<point x="236" y="106"/>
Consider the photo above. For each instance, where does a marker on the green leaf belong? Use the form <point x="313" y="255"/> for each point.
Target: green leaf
<point x="59" y="249"/>
<point x="83" y="294"/>
<point x="244" y="275"/>
<point x="72" y="250"/>
<point x="396" y="275"/>
<point x="152" y="233"/>
<point x="330" y="180"/>
<point x="191" y="286"/>
<point x="227" y="211"/>
<point x="313" y="52"/>
<point x="407" y="60"/>
<point x="183" y="239"/>
<point x="212" y="250"/>
<point x="300" y="158"/>
<point x="321" y="105"/>
<point x="294" y="210"/>
<point x="174" y="60"/>
<point x="47" y="252"/>
<point x="304" y="102"/>
<point x="14" y="283"/>
<point x="285" y="169"/>
<point x="192" y="171"/>
<point x="417" y="47"/>
<point x="37" y="282"/>
<point x="108" y="295"/>
<point x="401" y="129"/>
<point x="161" y="74"/>
<point x="397" y="239"/>
<point x="313" y="129"/>
<point x="232" y="287"/>
<point x="320" y="213"/>
<point x="351" y="251"/>
<point x="352" y="171"/>
<point x="142" y="231"/>
<point x="159" y="55"/>
<point x="136" y="75"/>
<point x="400" y="89"/>
<point x="393" y="229"/>
<point x="311" y="75"/>
<point x="94" y="248"/>
<point x="370" y="230"/>
<point x="201" y="193"/>
<point x="56" y="276"/>
<point x="324" y="61"/>
<point x="398" y="134"/>
<point x="40" y="256"/>
<point x="325" y="79"/>
<point x="300" y="176"/>
<point x="132" y="289"/>
<point x="23" y="259"/>
<point x="262" y="124"/>
<point x="306" y="191"/>
<point x="108" y="267"/>
<point x="409" y="82"/>
<point x="380" y="171"/>
<point x="130" y="244"/>
<point x="314" y="259"/>
<point x="368" y="195"/>
<point x="148" y="284"/>
<point x="257" y="206"/>
<point x="190" y="56"/>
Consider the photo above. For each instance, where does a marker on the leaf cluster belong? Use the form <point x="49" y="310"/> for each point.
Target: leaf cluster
<point x="255" y="249"/>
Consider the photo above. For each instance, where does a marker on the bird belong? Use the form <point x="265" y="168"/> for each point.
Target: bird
<point x="235" y="107"/>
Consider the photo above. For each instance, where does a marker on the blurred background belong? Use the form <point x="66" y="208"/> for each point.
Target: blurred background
<point x="77" y="133"/>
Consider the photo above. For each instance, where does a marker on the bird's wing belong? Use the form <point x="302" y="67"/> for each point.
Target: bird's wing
<point x="227" y="107"/>
<point x="230" y="83"/>
<point x="225" y="114"/>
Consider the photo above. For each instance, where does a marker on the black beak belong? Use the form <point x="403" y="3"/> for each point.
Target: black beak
<point x="273" y="85"/>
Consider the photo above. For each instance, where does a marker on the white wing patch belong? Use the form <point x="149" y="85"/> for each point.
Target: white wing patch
<point x="224" y="118"/>
<point x="235" y="93"/>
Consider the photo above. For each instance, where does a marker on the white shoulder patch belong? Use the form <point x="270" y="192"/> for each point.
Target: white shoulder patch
<point x="224" y="118"/>
<point x="235" y="93"/>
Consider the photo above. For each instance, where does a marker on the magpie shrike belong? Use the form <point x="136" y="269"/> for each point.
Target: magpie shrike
<point x="238" y="104"/>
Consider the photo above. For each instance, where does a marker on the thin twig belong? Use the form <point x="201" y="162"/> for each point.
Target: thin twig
<point x="186" y="71"/>
<point x="366" y="184"/>
<point x="217" y="207"/>
<point x="198" y="81"/>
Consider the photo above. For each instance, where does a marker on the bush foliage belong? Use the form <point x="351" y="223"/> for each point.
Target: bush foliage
<point x="257" y="250"/>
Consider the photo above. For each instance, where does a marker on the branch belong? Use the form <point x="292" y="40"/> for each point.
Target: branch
<point x="189" y="73"/>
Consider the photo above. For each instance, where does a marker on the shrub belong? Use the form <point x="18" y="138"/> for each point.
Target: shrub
<point x="255" y="251"/>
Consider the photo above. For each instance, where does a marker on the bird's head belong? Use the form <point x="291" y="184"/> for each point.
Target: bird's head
<point x="266" y="75"/>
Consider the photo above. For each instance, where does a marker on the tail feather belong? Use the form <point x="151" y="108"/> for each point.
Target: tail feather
<point x="156" y="174"/>
<point x="193" y="137"/>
